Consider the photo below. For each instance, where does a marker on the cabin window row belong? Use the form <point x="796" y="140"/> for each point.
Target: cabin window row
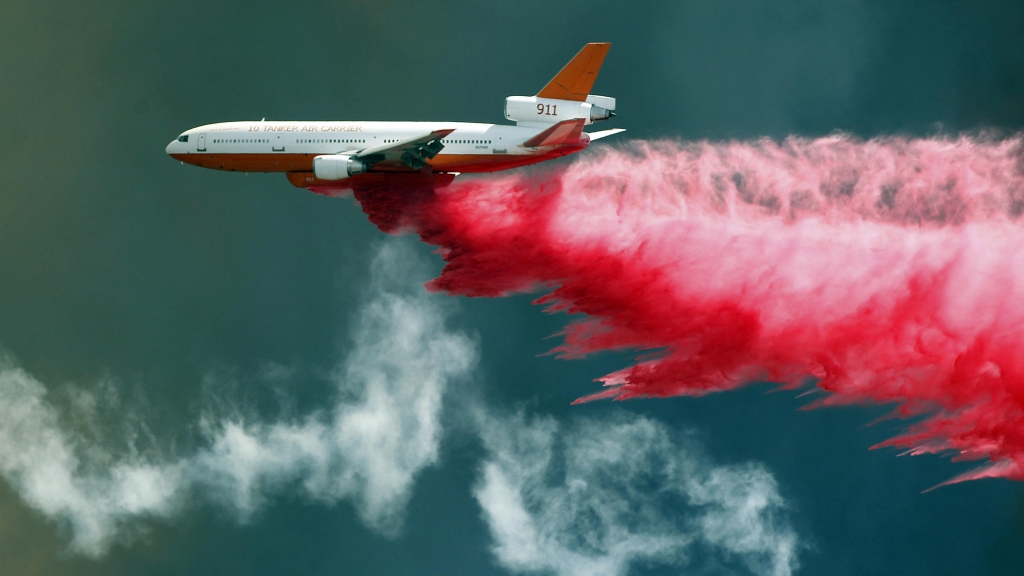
<point x="326" y="141"/>
<point x="390" y="140"/>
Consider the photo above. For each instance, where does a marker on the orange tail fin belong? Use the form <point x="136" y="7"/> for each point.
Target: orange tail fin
<point x="577" y="77"/>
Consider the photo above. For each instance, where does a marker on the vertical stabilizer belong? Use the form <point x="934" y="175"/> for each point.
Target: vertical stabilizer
<point x="577" y="77"/>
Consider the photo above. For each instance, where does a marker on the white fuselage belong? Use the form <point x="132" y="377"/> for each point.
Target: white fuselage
<point x="270" y="146"/>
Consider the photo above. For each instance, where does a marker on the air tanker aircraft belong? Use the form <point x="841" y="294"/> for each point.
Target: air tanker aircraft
<point x="329" y="157"/>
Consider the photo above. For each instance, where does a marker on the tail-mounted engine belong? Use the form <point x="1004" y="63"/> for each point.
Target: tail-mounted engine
<point x="534" y="110"/>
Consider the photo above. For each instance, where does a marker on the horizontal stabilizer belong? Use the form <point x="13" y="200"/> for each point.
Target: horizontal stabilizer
<point x="604" y="133"/>
<point x="577" y="77"/>
<point x="567" y="132"/>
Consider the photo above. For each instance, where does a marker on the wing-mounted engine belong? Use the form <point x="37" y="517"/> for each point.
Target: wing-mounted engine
<point x="337" y="166"/>
<point x="412" y="153"/>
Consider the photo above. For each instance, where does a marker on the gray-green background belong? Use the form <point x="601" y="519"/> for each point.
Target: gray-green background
<point x="117" y="263"/>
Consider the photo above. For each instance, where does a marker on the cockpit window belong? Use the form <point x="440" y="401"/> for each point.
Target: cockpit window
<point x="183" y="138"/>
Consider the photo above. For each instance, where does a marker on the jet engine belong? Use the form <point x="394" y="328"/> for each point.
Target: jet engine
<point x="337" y="167"/>
<point x="532" y="110"/>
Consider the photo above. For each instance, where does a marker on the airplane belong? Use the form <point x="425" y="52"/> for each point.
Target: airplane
<point x="332" y="157"/>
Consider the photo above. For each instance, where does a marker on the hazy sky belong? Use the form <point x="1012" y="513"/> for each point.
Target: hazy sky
<point x="214" y="373"/>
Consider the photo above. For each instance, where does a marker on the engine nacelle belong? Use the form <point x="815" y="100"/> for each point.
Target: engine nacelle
<point x="337" y="167"/>
<point x="534" y="110"/>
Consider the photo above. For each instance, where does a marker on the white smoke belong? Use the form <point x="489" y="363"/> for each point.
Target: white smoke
<point x="39" y="459"/>
<point x="600" y="496"/>
<point x="368" y="451"/>
<point x="368" y="447"/>
<point x="594" y="498"/>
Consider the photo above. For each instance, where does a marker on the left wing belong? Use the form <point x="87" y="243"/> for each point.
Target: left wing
<point x="412" y="152"/>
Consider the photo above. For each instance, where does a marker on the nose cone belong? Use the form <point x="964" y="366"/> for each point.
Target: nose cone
<point x="170" y="148"/>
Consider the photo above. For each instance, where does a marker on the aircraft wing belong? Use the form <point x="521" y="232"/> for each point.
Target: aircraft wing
<point x="412" y="152"/>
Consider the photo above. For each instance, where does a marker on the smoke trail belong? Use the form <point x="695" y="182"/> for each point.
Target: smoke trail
<point x="599" y="496"/>
<point x="381" y="431"/>
<point x="889" y="270"/>
<point x="39" y="460"/>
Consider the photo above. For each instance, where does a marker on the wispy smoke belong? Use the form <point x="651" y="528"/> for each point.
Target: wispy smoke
<point x="368" y="451"/>
<point x="593" y="498"/>
<point x="39" y="459"/>
<point x="367" y="448"/>
<point x="887" y="270"/>
<point x="599" y="497"/>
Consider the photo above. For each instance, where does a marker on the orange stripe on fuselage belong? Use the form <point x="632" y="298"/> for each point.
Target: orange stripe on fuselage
<point x="285" y="162"/>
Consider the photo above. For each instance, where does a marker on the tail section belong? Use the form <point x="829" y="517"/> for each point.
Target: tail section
<point x="577" y="77"/>
<point x="567" y="96"/>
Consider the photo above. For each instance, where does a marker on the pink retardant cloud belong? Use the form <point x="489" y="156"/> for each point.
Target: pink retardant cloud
<point x="884" y="271"/>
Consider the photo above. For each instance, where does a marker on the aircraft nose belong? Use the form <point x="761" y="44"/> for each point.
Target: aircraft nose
<point x="170" y="147"/>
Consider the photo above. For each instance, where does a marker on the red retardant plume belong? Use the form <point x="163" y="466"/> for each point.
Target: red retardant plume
<point x="889" y="271"/>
